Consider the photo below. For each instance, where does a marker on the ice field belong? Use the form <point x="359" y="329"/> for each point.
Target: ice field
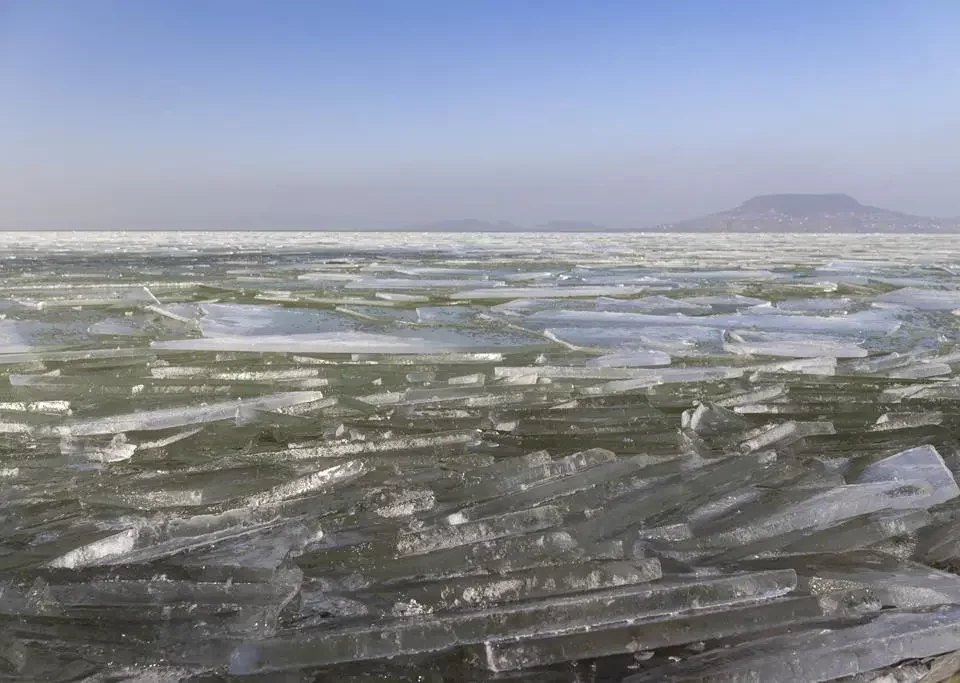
<point x="488" y="457"/>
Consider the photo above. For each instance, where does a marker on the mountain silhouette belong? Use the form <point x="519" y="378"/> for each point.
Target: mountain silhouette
<point x="820" y="213"/>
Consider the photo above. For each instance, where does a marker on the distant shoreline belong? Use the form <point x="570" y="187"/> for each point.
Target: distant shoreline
<point x="393" y="231"/>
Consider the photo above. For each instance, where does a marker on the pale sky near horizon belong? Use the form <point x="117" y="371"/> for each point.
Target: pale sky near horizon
<point x="379" y="113"/>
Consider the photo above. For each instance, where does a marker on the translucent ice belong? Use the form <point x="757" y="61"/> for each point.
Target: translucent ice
<point x="824" y="654"/>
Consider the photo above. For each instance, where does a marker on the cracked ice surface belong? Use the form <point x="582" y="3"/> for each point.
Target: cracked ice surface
<point x="345" y="457"/>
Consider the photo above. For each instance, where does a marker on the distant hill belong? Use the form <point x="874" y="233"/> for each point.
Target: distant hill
<point x="818" y="213"/>
<point x="814" y="213"/>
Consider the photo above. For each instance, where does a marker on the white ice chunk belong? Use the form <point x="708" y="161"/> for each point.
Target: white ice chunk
<point x="923" y="299"/>
<point x="877" y="322"/>
<point x="792" y="348"/>
<point x="166" y="418"/>
<point x="116" y="451"/>
<point x="560" y="292"/>
<point x="726" y="300"/>
<point x="411" y="283"/>
<point x="331" y="342"/>
<point x="652" y="304"/>
<point x="46" y="407"/>
<point x="173" y="438"/>
<point x="676" y="340"/>
<point x="816" y="305"/>
<point x="405" y="298"/>
<point x="923" y="463"/>
<point x="308" y="484"/>
<point x="639" y="358"/>
<point x="92" y="553"/>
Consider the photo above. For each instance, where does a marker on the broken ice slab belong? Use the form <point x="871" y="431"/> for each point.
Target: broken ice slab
<point x="438" y="634"/>
<point x="560" y="292"/>
<point x="783" y="434"/>
<point x="486" y="591"/>
<point x="894" y="582"/>
<point x="889" y="361"/>
<point x="20" y="428"/>
<point x="638" y="475"/>
<point x="938" y="670"/>
<point x="939" y="544"/>
<point x="639" y="358"/>
<point x="177" y="372"/>
<point x="172" y="608"/>
<point x="669" y="376"/>
<point x="145" y="674"/>
<point x="923" y="299"/>
<point x="534" y="473"/>
<point x="348" y="449"/>
<point x="403" y="503"/>
<point x="529" y="275"/>
<point x="761" y="394"/>
<point x="166" y="418"/>
<point x="791" y="347"/>
<point x="780" y="512"/>
<point x="661" y="305"/>
<point x="431" y="539"/>
<point x="634" y="508"/>
<point x="67" y="356"/>
<point x="817" y="305"/>
<point x="807" y="366"/>
<point x="678" y="341"/>
<point x="899" y="420"/>
<point x="907" y="672"/>
<point x="948" y="390"/>
<point x="425" y="376"/>
<point x="725" y="301"/>
<point x="823" y="654"/>
<point x="855" y="533"/>
<point x="708" y="419"/>
<point x="639" y="635"/>
<point x="719" y="275"/>
<point x="573" y="372"/>
<point x="117" y="450"/>
<point x="549" y="491"/>
<point x="923" y="463"/>
<point x="308" y="484"/>
<point x="103" y="595"/>
<point x="498" y="556"/>
<point x="113" y="545"/>
<point x="182" y="535"/>
<point x="401" y="298"/>
<point x="344" y="342"/>
<point x="507" y="467"/>
<point x="44" y="407"/>
<point x="169" y="440"/>
<point x="870" y="322"/>
<point x="920" y="370"/>
<point x="411" y="283"/>
<point x="471" y="379"/>
<point x="477" y="396"/>
<point x="451" y="357"/>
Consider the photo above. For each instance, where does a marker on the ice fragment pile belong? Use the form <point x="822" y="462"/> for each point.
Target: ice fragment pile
<point x="308" y="457"/>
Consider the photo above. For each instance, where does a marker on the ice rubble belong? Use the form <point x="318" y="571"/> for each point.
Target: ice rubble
<point x="651" y="465"/>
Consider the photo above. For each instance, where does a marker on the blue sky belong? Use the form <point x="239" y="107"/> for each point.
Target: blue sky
<point x="365" y="113"/>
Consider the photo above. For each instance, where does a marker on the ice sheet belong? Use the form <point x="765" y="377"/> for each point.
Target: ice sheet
<point x="341" y="456"/>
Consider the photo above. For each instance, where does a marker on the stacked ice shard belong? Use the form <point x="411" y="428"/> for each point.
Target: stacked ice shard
<point x="601" y="458"/>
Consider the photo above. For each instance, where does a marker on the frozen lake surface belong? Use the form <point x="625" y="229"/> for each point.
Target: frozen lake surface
<point x="435" y="457"/>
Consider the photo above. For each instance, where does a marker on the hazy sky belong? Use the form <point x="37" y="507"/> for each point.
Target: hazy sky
<point x="364" y="113"/>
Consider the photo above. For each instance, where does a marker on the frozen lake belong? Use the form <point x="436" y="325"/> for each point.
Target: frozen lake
<point x="439" y="457"/>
